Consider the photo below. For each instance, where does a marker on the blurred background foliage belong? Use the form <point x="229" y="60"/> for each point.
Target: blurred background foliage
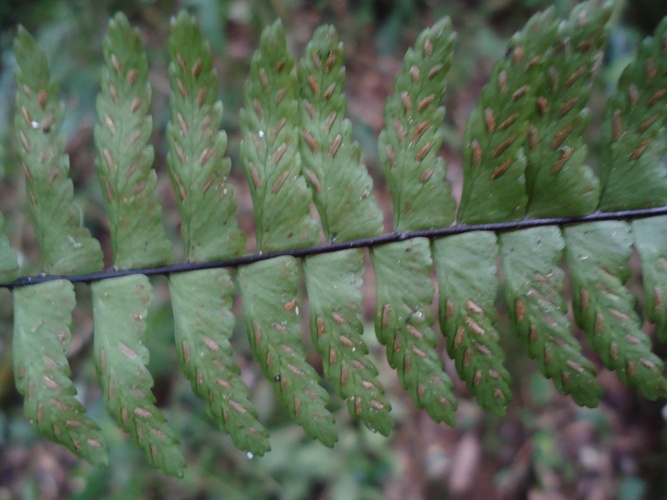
<point x="546" y="447"/>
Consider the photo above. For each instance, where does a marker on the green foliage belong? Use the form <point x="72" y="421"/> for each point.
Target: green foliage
<point x="652" y="248"/>
<point x="341" y="191"/>
<point x="8" y="264"/>
<point x="524" y="154"/>
<point x="334" y="289"/>
<point x="559" y="183"/>
<point x="197" y="168"/>
<point x="203" y="324"/>
<point x="409" y="143"/>
<point x="269" y="293"/>
<point x="66" y="246"/>
<point x="403" y="324"/>
<point x="533" y="288"/>
<point x="494" y="161"/>
<point x="270" y="148"/>
<point x="466" y="269"/>
<point x="41" y="338"/>
<point x="124" y="157"/>
<point x="120" y="306"/>
<point x="598" y="256"/>
<point x="633" y="132"/>
<point x="331" y="159"/>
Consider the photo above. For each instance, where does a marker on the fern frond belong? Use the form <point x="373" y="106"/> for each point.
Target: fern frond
<point x="558" y="180"/>
<point x="119" y="307"/>
<point x="347" y="211"/>
<point x="331" y="159"/>
<point x="203" y="324"/>
<point x="412" y="136"/>
<point x="197" y="168"/>
<point x="533" y="287"/>
<point x="65" y="245"/>
<point x="598" y="256"/>
<point x="334" y="289"/>
<point x="42" y="315"/>
<point x="124" y="156"/>
<point x="494" y="162"/>
<point x="403" y="324"/>
<point x="297" y="149"/>
<point x="270" y="148"/>
<point x="281" y="202"/>
<point x="652" y="247"/>
<point x="466" y="270"/>
<point x="634" y="137"/>
<point x="202" y="301"/>
<point x="269" y="294"/>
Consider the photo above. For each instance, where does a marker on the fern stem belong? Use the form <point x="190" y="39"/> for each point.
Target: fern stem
<point x="184" y="267"/>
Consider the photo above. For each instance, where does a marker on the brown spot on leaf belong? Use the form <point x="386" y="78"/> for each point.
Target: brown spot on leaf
<point x="426" y="175"/>
<point x="490" y="119"/>
<point x="264" y="80"/>
<point x="502" y="147"/>
<point x="575" y="76"/>
<point x="564" y="156"/>
<point x="314" y="86"/>
<point x="520" y="92"/>
<point x="636" y="154"/>
<point x="425" y="102"/>
<point x="567" y="106"/>
<point x="499" y="171"/>
<point x="414" y="73"/>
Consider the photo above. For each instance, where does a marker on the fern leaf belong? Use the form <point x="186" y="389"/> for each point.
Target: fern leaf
<point x="42" y="314"/>
<point x="119" y="307"/>
<point x="334" y="282"/>
<point x="341" y="189"/>
<point x="269" y="293"/>
<point x="651" y="244"/>
<point x="466" y="269"/>
<point x="196" y="165"/>
<point x="270" y="148"/>
<point x="559" y="183"/>
<point x="202" y="300"/>
<point x="494" y="162"/>
<point x="124" y="156"/>
<point x="633" y="172"/>
<point x="598" y="257"/>
<point x="412" y="136"/>
<point x="8" y="263"/>
<point x="331" y="159"/>
<point x="203" y="325"/>
<point x="66" y="246"/>
<point x="533" y="286"/>
<point x="403" y="324"/>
